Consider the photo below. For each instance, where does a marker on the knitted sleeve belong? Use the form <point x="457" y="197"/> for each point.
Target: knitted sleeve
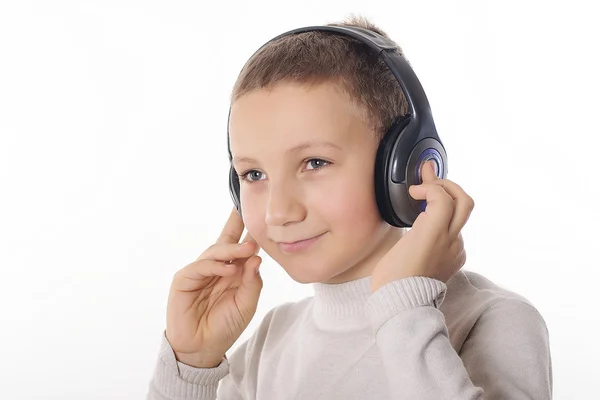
<point x="174" y="380"/>
<point x="506" y="356"/>
<point x="233" y="379"/>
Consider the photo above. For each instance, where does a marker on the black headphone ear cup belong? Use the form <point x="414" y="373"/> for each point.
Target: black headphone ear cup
<point x="234" y="189"/>
<point x="383" y="163"/>
<point x="397" y="167"/>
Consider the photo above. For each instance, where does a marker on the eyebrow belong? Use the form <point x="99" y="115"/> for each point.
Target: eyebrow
<point x="295" y="149"/>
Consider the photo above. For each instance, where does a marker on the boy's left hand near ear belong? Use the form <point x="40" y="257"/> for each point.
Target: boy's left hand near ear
<point x="434" y="246"/>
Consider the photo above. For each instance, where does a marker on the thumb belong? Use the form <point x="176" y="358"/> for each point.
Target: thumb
<point x="252" y="284"/>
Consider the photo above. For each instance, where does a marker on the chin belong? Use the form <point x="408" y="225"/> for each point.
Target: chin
<point x="302" y="268"/>
<point x="299" y="272"/>
<point x="305" y="279"/>
<point x="306" y="270"/>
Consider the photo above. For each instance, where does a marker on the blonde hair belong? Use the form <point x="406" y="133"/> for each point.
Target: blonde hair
<point x="317" y="57"/>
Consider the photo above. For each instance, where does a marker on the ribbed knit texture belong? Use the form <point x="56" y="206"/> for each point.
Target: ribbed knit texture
<point x="414" y="338"/>
<point x="405" y="293"/>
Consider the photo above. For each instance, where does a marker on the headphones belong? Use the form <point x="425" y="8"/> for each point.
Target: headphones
<point x="411" y="141"/>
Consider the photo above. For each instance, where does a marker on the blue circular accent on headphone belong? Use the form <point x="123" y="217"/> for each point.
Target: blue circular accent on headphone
<point x="428" y="155"/>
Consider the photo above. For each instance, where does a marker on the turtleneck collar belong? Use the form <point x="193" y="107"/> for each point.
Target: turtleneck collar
<point x="341" y="303"/>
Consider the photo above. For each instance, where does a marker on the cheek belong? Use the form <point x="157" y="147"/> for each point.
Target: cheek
<point x="350" y="202"/>
<point x="254" y="219"/>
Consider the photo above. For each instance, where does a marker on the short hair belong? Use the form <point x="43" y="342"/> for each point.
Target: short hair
<point x="316" y="57"/>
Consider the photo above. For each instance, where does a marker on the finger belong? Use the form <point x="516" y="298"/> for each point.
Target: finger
<point x="248" y="238"/>
<point x="193" y="276"/>
<point x="440" y="205"/>
<point x="227" y="252"/>
<point x="463" y="207"/>
<point x="428" y="172"/>
<point x="233" y="228"/>
<point x="453" y="189"/>
<point x="250" y="269"/>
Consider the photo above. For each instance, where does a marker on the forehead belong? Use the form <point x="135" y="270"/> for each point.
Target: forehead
<point x="289" y="114"/>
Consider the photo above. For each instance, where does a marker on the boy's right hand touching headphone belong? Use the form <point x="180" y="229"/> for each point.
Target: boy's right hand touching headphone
<point x="211" y="302"/>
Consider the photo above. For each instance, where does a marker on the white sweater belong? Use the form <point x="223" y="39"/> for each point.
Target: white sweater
<point x="415" y="338"/>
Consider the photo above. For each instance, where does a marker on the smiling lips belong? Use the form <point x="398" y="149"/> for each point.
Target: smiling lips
<point x="300" y="245"/>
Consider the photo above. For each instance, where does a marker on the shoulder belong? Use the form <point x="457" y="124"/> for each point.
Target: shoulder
<point x="468" y="291"/>
<point x="500" y="335"/>
<point x="468" y="284"/>
<point x="473" y="301"/>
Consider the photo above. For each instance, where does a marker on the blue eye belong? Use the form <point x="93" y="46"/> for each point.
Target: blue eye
<point x="322" y="163"/>
<point x="250" y="175"/>
<point x="254" y="175"/>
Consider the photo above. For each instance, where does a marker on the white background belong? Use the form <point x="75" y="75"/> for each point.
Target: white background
<point x="113" y="167"/>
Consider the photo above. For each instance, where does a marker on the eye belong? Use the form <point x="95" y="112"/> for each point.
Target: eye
<point x="254" y="175"/>
<point x="250" y="175"/>
<point x="317" y="163"/>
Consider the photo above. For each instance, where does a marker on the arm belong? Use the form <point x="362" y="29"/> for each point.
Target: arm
<point x="421" y="362"/>
<point x="510" y="342"/>
<point x="174" y="380"/>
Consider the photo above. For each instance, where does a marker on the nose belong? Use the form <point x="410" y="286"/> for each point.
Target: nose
<point x="284" y="205"/>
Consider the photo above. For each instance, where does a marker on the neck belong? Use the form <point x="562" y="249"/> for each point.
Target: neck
<point x="339" y="301"/>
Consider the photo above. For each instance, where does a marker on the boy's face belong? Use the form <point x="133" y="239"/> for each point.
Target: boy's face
<point x="298" y="188"/>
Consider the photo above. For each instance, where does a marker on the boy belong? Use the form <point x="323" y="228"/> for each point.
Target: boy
<point x="393" y="316"/>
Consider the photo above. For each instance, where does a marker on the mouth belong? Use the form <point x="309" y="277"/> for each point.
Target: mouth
<point x="300" y="245"/>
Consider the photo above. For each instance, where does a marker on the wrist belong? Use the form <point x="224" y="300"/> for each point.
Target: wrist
<point x="199" y="360"/>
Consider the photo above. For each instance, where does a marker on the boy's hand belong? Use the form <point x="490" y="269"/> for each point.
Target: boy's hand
<point x="213" y="299"/>
<point x="434" y="246"/>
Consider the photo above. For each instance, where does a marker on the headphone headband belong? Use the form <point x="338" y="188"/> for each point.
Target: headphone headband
<point x="418" y="105"/>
